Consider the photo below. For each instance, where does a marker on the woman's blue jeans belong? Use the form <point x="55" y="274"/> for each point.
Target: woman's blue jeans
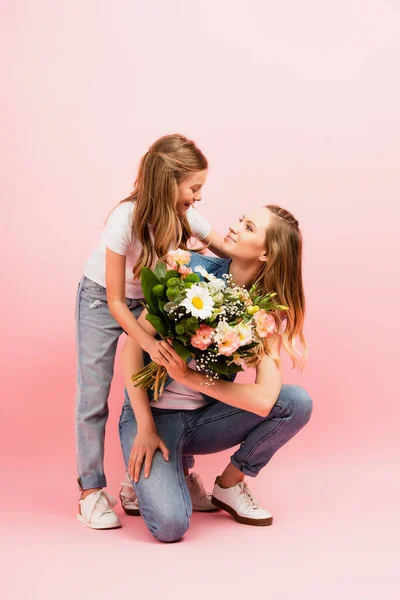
<point x="164" y="499"/>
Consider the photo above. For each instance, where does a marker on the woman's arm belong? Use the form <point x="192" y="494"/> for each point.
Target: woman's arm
<point x="258" y="397"/>
<point x="115" y="285"/>
<point x="147" y="440"/>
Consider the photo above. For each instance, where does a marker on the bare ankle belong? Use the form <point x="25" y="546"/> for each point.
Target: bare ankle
<point x="85" y="493"/>
<point x="230" y="477"/>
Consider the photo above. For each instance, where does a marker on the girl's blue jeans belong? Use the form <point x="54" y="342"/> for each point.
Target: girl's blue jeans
<point x="97" y="334"/>
<point x="164" y="499"/>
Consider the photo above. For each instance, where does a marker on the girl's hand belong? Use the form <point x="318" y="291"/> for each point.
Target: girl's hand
<point x="177" y="368"/>
<point x="143" y="449"/>
<point x="154" y="350"/>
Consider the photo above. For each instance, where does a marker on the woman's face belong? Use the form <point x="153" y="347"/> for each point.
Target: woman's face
<point x="246" y="238"/>
<point x="189" y="191"/>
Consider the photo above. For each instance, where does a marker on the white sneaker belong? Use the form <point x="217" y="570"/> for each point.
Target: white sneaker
<point x="241" y="504"/>
<point x="201" y="501"/>
<point x="96" y="511"/>
<point x="129" y="500"/>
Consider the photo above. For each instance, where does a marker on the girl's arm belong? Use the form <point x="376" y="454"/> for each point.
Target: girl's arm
<point x="258" y="397"/>
<point x="215" y="242"/>
<point x="116" y="298"/>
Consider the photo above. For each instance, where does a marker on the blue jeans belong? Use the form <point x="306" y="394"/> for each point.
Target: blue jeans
<point x="97" y="334"/>
<point x="164" y="499"/>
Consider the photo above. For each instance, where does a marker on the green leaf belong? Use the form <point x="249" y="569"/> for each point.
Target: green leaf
<point x="180" y="349"/>
<point x="148" y="281"/>
<point x="222" y="369"/>
<point x="160" y="270"/>
<point x="158" y="324"/>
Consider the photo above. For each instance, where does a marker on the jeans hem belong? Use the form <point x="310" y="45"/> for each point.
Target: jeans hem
<point x="92" y="481"/>
<point x="243" y="467"/>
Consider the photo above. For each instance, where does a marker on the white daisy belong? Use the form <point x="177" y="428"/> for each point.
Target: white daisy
<point x="198" y="302"/>
<point x="201" y="270"/>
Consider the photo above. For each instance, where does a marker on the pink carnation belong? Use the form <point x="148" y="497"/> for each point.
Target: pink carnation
<point x="229" y="344"/>
<point x="203" y="337"/>
<point x="265" y="324"/>
<point x="184" y="270"/>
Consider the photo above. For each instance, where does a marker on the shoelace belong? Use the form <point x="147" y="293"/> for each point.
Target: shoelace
<point x="92" y="501"/>
<point x="249" y="499"/>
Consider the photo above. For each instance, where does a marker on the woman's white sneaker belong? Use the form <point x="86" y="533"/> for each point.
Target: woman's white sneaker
<point x="201" y="501"/>
<point x="241" y="504"/>
<point x="96" y="511"/>
<point x="129" y="500"/>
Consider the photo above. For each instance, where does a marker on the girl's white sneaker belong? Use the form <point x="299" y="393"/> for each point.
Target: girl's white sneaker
<point x="239" y="502"/>
<point x="96" y="511"/>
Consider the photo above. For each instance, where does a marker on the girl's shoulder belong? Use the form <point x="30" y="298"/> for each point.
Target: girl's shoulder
<point x="122" y="213"/>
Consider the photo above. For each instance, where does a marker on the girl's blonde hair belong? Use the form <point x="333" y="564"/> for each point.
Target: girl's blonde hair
<point x="162" y="169"/>
<point x="282" y="273"/>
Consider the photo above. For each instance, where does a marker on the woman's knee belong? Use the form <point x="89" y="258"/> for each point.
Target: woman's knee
<point x="298" y="402"/>
<point x="169" y="527"/>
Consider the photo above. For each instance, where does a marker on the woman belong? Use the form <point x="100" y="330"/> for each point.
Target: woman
<point x="265" y="248"/>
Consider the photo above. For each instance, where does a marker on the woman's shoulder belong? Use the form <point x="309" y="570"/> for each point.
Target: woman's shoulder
<point x="212" y="264"/>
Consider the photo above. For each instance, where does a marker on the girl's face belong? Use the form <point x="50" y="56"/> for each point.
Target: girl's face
<point x="246" y="238"/>
<point x="189" y="191"/>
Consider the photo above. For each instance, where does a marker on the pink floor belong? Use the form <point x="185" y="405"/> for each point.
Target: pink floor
<point x="335" y="535"/>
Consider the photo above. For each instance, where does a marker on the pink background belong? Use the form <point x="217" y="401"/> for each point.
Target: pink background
<point x="294" y="103"/>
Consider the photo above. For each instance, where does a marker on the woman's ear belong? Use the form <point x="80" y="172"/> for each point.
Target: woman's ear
<point x="263" y="257"/>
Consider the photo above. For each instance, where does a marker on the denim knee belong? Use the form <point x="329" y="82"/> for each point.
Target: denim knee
<point x="297" y="402"/>
<point x="170" y="527"/>
<point x="303" y="404"/>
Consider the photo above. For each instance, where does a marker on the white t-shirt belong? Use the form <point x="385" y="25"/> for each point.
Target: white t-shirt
<point x="117" y="235"/>
<point x="178" y="396"/>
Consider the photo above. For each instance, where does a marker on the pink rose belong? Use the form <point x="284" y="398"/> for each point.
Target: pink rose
<point x="265" y="324"/>
<point x="203" y="337"/>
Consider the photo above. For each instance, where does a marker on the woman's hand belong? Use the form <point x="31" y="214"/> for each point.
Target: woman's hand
<point x="177" y="368"/>
<point x="144" y="446"/>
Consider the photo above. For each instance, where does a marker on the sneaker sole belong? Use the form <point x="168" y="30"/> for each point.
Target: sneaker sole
<point x="199" y="508"/>
<point x="239" y="518"/>
<point x="81" y="519"/>
<point x="132" y="512"/>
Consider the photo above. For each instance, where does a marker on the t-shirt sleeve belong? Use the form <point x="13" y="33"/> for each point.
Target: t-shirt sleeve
<point x="199" y="225"/>
<point x="117" y="233"/>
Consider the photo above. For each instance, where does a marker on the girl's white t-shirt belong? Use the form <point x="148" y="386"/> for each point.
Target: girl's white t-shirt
<point x="117" y="235"/>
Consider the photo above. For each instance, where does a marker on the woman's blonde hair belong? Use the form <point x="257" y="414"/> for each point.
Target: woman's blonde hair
<point x="282" y="273"/>
<point x="162" y="169"/>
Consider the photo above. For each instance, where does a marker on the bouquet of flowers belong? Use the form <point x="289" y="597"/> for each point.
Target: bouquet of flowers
<point x="218" y="323"/>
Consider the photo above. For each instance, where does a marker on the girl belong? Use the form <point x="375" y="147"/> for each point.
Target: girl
<point x="265" y="248"/>
<point x="158" y="216"/>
